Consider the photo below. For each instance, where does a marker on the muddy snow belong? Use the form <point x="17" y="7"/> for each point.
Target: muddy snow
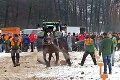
<point x="30" y="69"/>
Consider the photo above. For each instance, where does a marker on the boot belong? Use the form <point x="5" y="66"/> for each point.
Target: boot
<point x="68" y="61"/>
<point x="17" y="62"/>
<point x="13" y="60"/>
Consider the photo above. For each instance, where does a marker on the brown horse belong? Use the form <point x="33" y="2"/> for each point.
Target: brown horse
<point x="52" y="45"/>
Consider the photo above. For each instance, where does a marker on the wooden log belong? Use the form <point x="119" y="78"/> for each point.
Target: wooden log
<point x="62" y="62"/>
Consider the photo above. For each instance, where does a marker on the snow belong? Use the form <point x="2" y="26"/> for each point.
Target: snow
<point x="3" y="54"/>
<point x="88" y="71"/>
<point x="77" y="72"/>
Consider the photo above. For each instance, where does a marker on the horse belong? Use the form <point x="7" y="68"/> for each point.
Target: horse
<point x="55" y="45"/>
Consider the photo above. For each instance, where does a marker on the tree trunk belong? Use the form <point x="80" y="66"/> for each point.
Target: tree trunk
<point x="29" y="16"/>
<point x="6" y="14"/>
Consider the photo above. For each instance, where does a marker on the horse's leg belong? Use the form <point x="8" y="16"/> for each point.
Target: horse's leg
<point x="44" y="57"/>
<point x="57" y="57"/>
<point x="50" y="56"/>
<point x="67" y="57"/>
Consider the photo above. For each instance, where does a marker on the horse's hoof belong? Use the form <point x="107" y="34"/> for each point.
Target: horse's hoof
<point x="56" y="64"/>
<point x="69" y="64"/>
<point x="47" y="66"/>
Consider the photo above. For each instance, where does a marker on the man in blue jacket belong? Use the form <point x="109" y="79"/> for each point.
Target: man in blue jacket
<point x="26" y="42"/>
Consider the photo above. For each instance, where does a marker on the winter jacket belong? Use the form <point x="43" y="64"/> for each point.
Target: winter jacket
<point x="73" y="40"/>
<point x="114" y="41"/>
<point x="6" y="39"/>
<point x="31" y="37"/>
<point x="14" y="45"/>
<point x="69" y="39"/>
<point x="26" y="40"/>
<point x="65" y="38"/>
<point x="89" y="44"/>
<point x="106" y="46"/>
<point x="81" y="37"/>
<point x="118" y="39"/>
<point x="1" y="40"/>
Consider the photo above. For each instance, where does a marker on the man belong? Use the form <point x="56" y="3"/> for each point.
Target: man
<point x="32" y="39"/>
<point x="89" y="44"/>
<point x="6" y="42"/>
<point x="106" y="48"/>
<point x="114" y="46"/>
<point x="65" y="36"/>
<point x="1" y="43"/>
<point x="118" y="40"/>
<point x="15" y="45"/>
<point x="81" y="38"/>
<point x="74" y="46"/>
<point x="26" y="42"/>
<point x="69" y="41"/>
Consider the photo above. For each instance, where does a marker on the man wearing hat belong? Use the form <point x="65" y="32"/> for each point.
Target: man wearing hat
<point x="106" y="48"/>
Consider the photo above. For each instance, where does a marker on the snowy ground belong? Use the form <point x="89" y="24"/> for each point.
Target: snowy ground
<point x="30" y="69"/>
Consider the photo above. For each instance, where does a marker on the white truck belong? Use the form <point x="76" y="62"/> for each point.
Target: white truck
<point x="28" y="31"/>
<point x="73" y="29"/>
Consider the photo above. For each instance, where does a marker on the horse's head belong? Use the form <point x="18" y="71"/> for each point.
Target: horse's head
<point x="49" y="38"/>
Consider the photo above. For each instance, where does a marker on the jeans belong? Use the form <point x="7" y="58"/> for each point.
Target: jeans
<point x="113" y="56"/>
<point x="107" y="61"/>
<point x="69" y="46"/>
<point x="26" y="47"/>
<point x="97" y="46"/>
<point x="1" y="47"/>
<point x="7" y="50"/>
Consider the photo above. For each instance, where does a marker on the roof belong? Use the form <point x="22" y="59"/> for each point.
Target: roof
<point x="50" y="23"/>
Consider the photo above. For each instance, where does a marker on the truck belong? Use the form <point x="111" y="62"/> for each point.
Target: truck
<point x="12" y="30"/>
<point x="28" y="31"/>
<point x="74" y="29"/>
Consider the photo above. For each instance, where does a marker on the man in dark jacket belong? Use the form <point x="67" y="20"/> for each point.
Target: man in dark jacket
<point x="26" y="42"/>
<point x="106" y="48"/>
<point x="15" y="45"/>
<point x="74" y="46"/>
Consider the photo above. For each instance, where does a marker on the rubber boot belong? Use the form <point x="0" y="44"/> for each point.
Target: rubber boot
<point x="13" y="60"/>
<point x="17" y="62"/>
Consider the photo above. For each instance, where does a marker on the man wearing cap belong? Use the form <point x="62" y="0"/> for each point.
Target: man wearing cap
<point x="106" y="48"/>
<point x="15" y="45"/>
